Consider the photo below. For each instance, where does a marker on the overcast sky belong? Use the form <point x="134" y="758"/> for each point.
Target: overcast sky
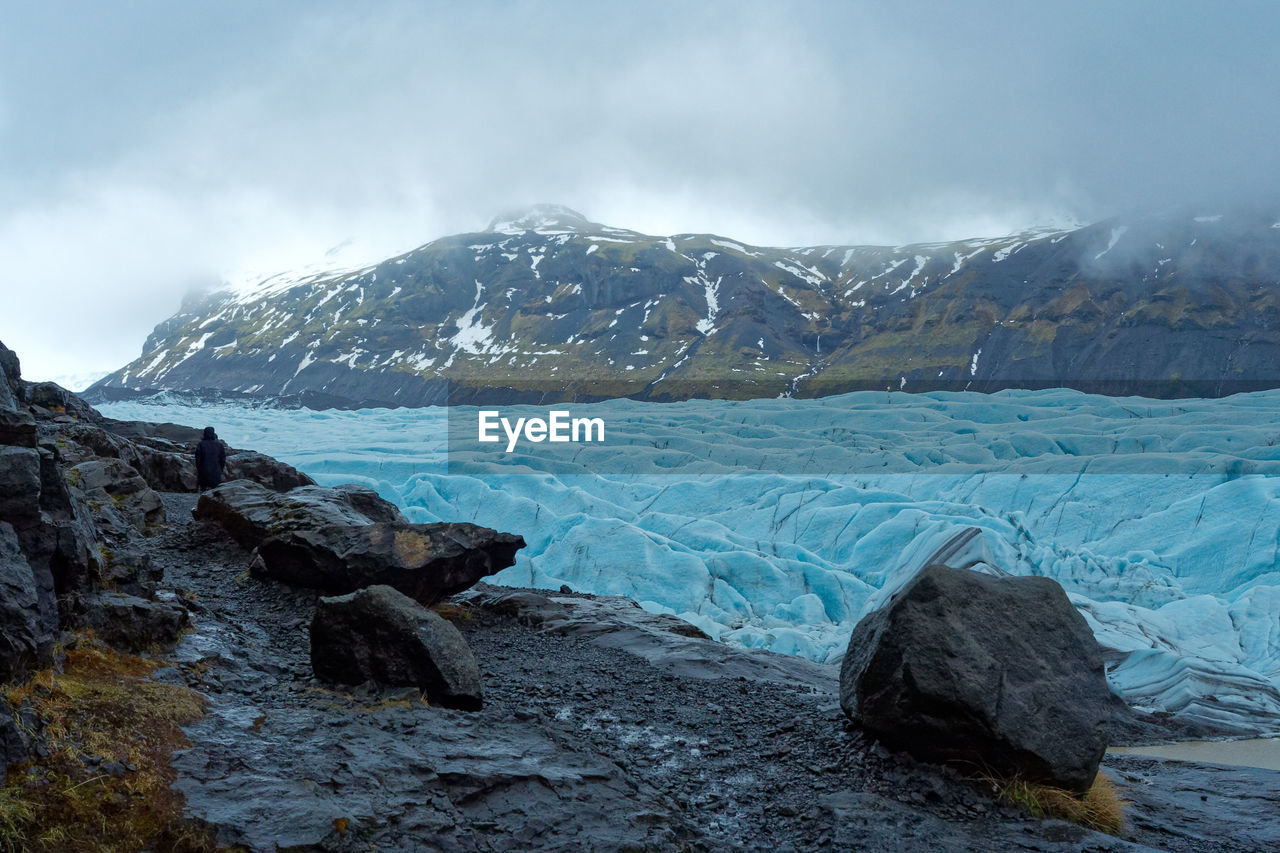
<point x="148" y="148"/>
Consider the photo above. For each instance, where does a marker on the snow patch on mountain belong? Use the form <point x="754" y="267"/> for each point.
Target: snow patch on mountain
<point x="1116" y="234"/>
<point x="542" y="218"/>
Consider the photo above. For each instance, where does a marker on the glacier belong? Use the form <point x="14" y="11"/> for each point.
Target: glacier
<point x="777" y="524"/>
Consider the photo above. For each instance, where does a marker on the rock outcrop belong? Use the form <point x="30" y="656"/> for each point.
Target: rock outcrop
<point x="130" y="622"/>
<point x="264" y="470"/>
<point x="427" y="562"/>
<point x="251" y="512"/>
<point x="20" y="632"/>
<point x="997" y="674"/>
<point x="162" y="455"/>
<point x="75" y="501"/>
<point x="379" y="634"/>
<point x="117" y="494"/>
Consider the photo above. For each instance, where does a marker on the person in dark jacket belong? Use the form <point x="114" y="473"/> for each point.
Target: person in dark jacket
<point x="211" y="458"/>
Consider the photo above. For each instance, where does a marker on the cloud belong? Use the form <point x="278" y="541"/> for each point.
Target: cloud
<point x="154" y="147"/>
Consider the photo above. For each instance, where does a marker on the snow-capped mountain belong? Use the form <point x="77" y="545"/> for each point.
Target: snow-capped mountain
<point x="546" y="305"/>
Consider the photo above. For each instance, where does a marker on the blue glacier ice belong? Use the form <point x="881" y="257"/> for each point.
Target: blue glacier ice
<point x="778" y="523"/>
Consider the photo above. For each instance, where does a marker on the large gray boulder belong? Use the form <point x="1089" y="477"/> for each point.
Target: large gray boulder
<point x="250" y="512"/>
<point x="379" y="634"/>
<point x="996" y="674"/>
<point x="427" y="562"/>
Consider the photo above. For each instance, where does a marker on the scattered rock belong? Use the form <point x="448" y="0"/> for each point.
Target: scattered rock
<point x="998" y="674"/>
<point x="428" y="562"/>
<point x="379" y="634"/>
<point x="251" y="512"/>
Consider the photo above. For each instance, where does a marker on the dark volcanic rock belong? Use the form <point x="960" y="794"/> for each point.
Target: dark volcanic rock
<point x="11" y="387"/>
<point x="131" y="623"/>
<point x="20" y="635"/>
<point x="998" y="674"/>
<point x="251" y="512"/>
<point x="165" y="465"/>
<point x="162" y="454"/>
<point x="169" y="471"/>
<point x="116" y="494"/>
<point x="20" y="486"/>
<point x="64" y="549"/>
<point x="428" y="562"/>
<point x="17" y="428"/>
<point x="381" y="635"/>
<point x="14" y="742"/>
<point x="58" y="400"/>
<point x="41" y="541"/>
<point x="262" y="469"/>
<point x="76" y="509"/>
<point x="129" y="568"/>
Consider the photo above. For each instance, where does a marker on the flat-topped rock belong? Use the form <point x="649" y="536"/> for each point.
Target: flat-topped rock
<point x="250" y="512"/>
<point x="427" y="562"/>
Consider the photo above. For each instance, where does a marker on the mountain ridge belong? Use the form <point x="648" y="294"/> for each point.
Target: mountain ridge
<point x="548" y="306"/>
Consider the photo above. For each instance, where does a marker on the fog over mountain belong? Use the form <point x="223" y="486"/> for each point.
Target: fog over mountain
<point x="150" y="149"/>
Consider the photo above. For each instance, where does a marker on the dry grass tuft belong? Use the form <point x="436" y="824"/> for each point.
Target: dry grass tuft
<point x="98" y="711"/>
<point x="1100" y="808"/>
<point x="454" y="612"/>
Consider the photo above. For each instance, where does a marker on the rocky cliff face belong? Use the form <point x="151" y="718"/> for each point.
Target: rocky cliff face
<point x="550" y="306"/>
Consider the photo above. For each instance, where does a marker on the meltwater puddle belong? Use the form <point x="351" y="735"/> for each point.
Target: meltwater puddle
<point x="1253" y="752"/>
